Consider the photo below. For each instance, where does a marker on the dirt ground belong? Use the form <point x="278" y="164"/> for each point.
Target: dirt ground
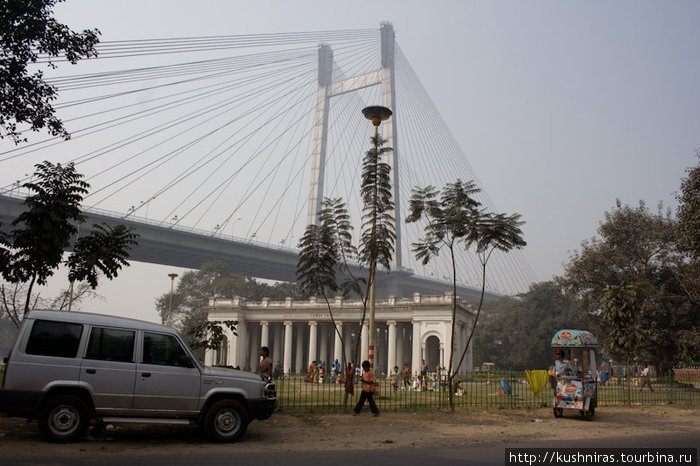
<point x="286" y="432"/>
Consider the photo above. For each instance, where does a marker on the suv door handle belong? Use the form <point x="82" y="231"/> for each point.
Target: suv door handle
<point x="145" y="374"/>
<point x="91" y="371"/>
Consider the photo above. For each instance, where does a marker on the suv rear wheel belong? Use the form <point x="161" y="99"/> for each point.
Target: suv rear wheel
<point x="225" y="421"/>
<point x="64" y="418"/>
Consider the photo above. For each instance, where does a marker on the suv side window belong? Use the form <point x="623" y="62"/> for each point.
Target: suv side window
<point x="164" y="350"/>
<point x="111" y="344"/>
<point x="58" y="339"/>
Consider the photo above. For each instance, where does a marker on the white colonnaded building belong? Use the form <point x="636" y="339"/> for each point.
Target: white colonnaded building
<point x="299" y="333"/>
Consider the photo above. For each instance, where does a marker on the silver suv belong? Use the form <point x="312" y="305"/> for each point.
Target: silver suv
<point x="69" y="368"/>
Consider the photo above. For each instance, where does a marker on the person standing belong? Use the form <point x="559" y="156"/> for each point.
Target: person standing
<point x="367" y="391"/>
<point x="646" y="382"/>
<point x="265" y="366"/>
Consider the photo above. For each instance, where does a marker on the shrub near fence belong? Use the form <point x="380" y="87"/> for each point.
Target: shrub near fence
<point x="478" y="391"/>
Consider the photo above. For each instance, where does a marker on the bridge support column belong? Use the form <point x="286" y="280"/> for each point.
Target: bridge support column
<point x="318" y="158"/>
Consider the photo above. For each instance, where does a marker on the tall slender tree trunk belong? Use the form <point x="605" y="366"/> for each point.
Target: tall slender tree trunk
<point x="450" y="373"/>
<point x="29" y="295"/>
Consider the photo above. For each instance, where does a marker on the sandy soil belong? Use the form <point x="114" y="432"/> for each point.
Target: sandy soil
<point x="286" y="432"/>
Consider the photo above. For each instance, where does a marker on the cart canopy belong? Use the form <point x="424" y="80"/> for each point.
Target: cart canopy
<point x="568" y="338"/>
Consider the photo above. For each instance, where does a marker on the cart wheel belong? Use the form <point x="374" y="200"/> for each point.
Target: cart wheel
<point x="558" y="412"/>
<point x="590" y="414"/>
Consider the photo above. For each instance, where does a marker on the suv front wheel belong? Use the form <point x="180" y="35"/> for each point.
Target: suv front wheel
<point x="64" y="418"/>
<point x="225" y="421"/>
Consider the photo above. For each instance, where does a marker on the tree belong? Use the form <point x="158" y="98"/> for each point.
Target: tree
<point x="195" y="288"/>
<point x="324" y="250"/>
<point x="36" y="244"/>
<point x="516" y="332"/>
<point x="457" y="218"/>
<point x="689" y="211"/>
<point x="620" y="310"/>
<point x="638" y="249"/>
<point x="328" y="247"/>
<point x="687" y="266"/>
<point x="13" y="298"/>
<point x="30" y="35"/>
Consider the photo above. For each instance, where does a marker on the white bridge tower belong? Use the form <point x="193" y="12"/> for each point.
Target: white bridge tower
<point x="328" y="88"/>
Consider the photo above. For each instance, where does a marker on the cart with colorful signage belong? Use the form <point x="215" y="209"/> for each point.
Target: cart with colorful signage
<point x="575" y="372"/>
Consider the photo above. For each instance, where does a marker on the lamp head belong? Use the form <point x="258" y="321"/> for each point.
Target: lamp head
<point x="376" y="114"/>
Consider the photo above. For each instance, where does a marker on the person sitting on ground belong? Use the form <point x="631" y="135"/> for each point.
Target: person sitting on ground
<point x="416" y="384"/>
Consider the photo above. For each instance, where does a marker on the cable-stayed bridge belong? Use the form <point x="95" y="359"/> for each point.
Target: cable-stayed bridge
<point x="222" y="147"/>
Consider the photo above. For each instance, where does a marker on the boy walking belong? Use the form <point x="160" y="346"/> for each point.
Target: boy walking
<point x="367" y="391"/>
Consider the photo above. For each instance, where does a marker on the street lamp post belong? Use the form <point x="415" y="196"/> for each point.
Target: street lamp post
<point x="376" y="114"/>
<point x="172" y="285"/>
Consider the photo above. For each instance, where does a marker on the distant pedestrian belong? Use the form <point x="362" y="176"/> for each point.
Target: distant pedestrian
<point x="367" y="391"/>
<point x="265" y="367"/>
<point x="406" y="377"/>
<point x="394" y="377"/>
<point x="646" y="381"/>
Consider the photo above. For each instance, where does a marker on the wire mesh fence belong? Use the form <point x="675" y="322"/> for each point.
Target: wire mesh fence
<point x="508" y="389"/>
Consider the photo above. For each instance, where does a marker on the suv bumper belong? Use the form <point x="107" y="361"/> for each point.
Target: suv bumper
<point x="19" y="403"/>
<point x="262" y="409"/>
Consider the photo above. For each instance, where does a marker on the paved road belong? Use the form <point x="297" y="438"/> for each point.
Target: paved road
<point x="489" y="454"/>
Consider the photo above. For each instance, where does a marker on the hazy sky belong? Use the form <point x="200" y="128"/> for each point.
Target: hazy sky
<point x="561" y="107"/>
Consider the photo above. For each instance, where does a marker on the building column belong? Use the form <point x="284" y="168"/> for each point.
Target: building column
<point x="416" y="350"/>
<point x="391" y="347"/>
<point x="232" y="347"/>
<point x="276" y="349"/>
<point x="400" y="343"/>
<point x="313" y="341"/>
<point x="364" y="343"/>
<point x="264" y="333"/>
<point x="288" y="332"/>
<point x="323" y="345"/>
<point x="348" y="344"/>
<point x="242" y="345"/>
<point x="253" y="352"/>
<point x="300" y="349"/>
<point x="338" y="346"/>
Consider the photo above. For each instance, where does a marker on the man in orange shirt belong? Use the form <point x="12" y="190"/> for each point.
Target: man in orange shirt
<point x="367" y="391"/>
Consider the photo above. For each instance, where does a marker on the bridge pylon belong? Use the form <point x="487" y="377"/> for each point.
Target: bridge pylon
<point x="327" y="88"/>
